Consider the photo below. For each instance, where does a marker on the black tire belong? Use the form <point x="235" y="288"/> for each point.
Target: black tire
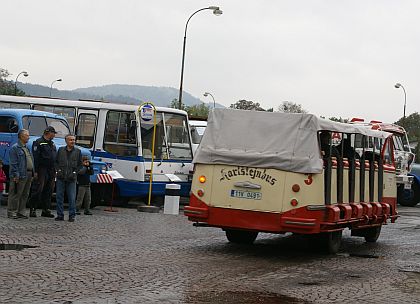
<point x="331" y="241"/>
<point x="409" y="198"/>
<point x="241" y="236"/>
<point x="371" y="235"/>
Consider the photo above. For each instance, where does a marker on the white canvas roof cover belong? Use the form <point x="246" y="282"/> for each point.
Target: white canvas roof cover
<point x="285" y="141"/>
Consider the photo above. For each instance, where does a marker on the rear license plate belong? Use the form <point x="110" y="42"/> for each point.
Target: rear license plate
<point x="407" y="186"/>
<point x="246" y="194"/>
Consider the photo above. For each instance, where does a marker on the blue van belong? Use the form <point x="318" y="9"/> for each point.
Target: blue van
<point x="13" y="120"/>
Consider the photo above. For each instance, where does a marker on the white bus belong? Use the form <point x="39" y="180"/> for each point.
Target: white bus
<point x="116" y="134"/>
<point x="197" y="128"/>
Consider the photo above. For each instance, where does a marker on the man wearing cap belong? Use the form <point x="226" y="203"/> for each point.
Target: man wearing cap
<point x="44" y="152"/>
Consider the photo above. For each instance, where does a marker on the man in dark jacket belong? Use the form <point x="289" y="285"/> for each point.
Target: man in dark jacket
<point x="43" y="151"/>
<point x="67" y="164"/>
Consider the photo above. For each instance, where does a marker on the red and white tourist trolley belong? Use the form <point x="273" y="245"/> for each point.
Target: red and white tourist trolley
<point x="277" y="173"/>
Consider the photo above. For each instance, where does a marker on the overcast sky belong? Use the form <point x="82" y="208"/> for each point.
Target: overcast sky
<point x="336" y="58"/>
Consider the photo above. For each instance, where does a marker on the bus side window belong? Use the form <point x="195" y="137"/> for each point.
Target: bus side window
<point x="12" y="105"/>
<point x="68" y="112"/>
<point x="387" y="153"/>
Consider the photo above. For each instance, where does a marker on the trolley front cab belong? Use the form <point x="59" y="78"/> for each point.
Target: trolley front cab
<point x="277" y="173"/>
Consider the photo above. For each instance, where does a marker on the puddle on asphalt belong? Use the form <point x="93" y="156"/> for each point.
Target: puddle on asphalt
<point x="243" y="297"/>
<point x="310" y="283"/>
<point x="359" y="255"/>
<point x="367" y="256"/>
<point x="17" y="247"/>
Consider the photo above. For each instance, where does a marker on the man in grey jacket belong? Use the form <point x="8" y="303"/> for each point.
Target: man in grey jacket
<point x="67" y="164"/>
<point x="20" y="173"/>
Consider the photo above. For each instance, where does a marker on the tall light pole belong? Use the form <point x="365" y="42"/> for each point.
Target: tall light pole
<point x="24" y="74"/>
<point x="53" y="83"/>
<point x="216" y="10"/>
<point x="214" y="101"/>
<point x="397" y="86"/>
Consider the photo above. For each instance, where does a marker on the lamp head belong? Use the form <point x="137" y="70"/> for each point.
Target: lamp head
<point x="397" y="85"/>
<point x="59" y="79"/>
<point x="216" y="10"/>
<point x="25" y="74"/>
<point x="206" y="94"/>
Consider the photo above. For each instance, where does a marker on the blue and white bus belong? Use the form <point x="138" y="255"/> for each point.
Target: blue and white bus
<point x="117" y="134"/>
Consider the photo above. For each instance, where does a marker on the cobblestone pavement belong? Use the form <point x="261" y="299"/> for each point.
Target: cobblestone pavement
<point x="133" y="257"/>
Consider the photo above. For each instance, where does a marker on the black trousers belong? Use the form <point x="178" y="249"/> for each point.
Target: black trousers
<point x="42" y="189"/>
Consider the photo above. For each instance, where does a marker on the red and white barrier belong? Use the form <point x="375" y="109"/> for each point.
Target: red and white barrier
<point x="104" y="179"/>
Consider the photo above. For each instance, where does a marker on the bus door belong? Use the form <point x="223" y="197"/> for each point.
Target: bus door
<point x="120" y="145"/>
<point x="85" y="128"/>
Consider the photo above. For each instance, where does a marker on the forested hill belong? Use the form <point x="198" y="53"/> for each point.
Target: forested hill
<point x="120" y="93"/>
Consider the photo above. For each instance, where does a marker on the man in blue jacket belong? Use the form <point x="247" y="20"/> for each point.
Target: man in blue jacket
<point x="20" y="174"/>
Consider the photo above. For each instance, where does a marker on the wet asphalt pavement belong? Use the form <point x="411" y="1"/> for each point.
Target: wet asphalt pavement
<point x="133" y="257"/>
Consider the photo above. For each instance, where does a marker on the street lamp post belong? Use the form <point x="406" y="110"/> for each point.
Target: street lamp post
<point x="216" y="10"/>
<point x="214" y="101"/>
<point x="397" y="86"/>
<point x="53" y="83"/>
<point x="24" y="74"/>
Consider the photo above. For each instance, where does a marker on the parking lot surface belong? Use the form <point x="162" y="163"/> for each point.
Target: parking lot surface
<point x="133" y="257"/>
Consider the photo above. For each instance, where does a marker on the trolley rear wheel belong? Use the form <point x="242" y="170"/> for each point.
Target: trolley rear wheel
<point x="241" y="236"/>
<point x="371" y="235"/>
<point x="331" y="241"/>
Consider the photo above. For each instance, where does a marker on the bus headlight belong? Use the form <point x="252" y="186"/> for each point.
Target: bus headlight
<point x="147" y="177"/>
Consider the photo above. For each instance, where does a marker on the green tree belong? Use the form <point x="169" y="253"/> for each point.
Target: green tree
<point x="8" y="87"/>
<point x="411" y="124"/>
<point x="246" y="105"/>
<point x="174" y="104"/>
<point x="345" y="120"/>
<point x="199" y="111"/>
<point x="291" y="107"/>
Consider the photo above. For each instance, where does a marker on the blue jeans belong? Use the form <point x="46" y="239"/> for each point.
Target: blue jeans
<point x="70" y="188"/>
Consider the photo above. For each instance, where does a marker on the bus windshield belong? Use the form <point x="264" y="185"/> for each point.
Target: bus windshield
<point x="37" y="124"/>
<point x="172" y="140"/>
<point x="197" y="133"/>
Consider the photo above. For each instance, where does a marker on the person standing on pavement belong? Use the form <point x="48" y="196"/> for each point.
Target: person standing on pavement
<point x="20" y="174"/>
<point x="83" y="180"/>
<point x="67" y="163"/>
<point x="44" y="152"/>
<point x="3" y="177"/>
